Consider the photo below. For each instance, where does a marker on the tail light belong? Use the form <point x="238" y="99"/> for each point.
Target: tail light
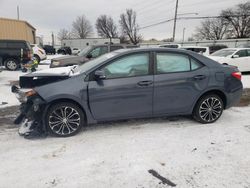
<point x="237" y="75"/>
<point x="41" y="51"/>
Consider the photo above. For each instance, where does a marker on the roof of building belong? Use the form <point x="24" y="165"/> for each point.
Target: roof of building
<point x="23" y="21"/>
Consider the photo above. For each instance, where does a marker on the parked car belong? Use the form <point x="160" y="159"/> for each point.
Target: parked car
<point x="64" y="50"/>
<point x="14" y="52"/>
<point x="239" y="57"/>
<point x="75" y="51"/>
<point x="170" y="45"/>
<point x="214" y="48"/>
<point x="86" y="54"/>
<point x="38" y="52"/>
<point x="49" y="49"/>
<point x="127" y="84"/>
<point x="198" y="49"/>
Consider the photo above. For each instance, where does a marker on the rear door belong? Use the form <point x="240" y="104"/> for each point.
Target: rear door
<point x="178" y="81"/>
<point x="127" y="90"/>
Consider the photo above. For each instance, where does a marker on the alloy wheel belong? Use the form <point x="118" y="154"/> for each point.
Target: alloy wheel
<point x="210" y="109"/>
<point x="64" y="120"/>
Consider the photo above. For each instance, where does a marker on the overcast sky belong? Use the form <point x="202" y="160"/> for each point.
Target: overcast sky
<point x="49" y="16"/>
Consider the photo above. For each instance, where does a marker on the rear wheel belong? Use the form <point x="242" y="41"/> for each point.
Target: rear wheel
<point x="208" y="109"/>
<point x="11" y="64"/>
<point x="64" y="119"/>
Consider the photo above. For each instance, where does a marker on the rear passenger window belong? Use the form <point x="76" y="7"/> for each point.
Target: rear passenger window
<point x="167" y="63"/>
<point x="194" y="64"/>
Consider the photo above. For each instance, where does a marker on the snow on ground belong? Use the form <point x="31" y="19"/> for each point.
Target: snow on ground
<point x="246" y="81"/>
<point x="120" y="154"/>
<point x="6" y="78"/>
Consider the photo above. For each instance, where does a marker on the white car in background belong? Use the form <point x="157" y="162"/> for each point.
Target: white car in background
<point x="75" y="51"/>
<point x="239" y="57"/>
<point x="198" y="49"/>
<point x="38" y="52"/>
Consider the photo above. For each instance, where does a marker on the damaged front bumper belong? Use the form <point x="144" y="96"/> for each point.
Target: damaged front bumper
<point x="31" y="114"/>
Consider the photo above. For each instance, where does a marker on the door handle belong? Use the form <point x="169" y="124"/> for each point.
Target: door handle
<point x="199" y="77"/>
<point x="145" y="83"/>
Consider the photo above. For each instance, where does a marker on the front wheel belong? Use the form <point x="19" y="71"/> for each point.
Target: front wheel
<point x="208" y="109"/>
<point x="64" y="119"/>
<point x="11" y="64"/>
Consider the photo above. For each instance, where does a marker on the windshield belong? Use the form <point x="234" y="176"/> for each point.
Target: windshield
<point x="223" y="53"/>
<point x="84" y="51"/>
<point x="92" y="63"/>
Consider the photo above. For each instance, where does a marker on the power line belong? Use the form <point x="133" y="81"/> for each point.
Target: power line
<point x="190" y="18"/>
<point x="151" y="18"/>
<point x="154" y="5"/>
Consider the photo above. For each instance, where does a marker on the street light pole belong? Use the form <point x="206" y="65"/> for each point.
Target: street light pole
<point x="175" y="18"/>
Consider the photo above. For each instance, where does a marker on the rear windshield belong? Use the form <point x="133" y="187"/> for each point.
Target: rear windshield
<point x="196" y="49"/>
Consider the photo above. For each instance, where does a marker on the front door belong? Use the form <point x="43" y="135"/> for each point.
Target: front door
<point x="126" y="91"/>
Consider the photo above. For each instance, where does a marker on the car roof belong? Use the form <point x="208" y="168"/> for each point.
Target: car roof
<point x="235" y="49"/>
<point x="9" y="40"/>
<point x="156" y="49"/>
<point x="194" y="47"/>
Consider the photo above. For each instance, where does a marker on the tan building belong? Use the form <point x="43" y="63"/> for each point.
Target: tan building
<point x="17" y="30"/>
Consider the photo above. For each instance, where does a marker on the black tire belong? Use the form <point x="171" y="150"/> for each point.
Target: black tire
<point x="208" y="109"/>
<point x="37" y="58"/>
<point x="11" y="64"/>
<point x="62" y="125"/>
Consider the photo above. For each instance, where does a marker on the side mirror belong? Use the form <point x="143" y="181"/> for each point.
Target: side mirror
<point x="235" y="56"/>
<point x="89" y="56"/>
<point x="100" y="75"/>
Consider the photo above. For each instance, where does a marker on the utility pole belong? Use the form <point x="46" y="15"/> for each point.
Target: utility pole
<point x="183" y="34"/>
<point x="18" y="12"/>
<point x="175" y="18"/>
<point x="53" y="39"/>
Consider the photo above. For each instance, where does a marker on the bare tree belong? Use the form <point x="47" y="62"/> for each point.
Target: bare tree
<point x="63" y="34"/>
<point x="106" y="27"/>
<point x="239" y="20"/>
<point x="129" y="26"/>
<point x="211" y="29"/>
<point x="81" y="27"/>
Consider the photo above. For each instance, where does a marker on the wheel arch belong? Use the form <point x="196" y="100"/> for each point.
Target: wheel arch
<point x="218" y="92"/>
<point x="67" y="100"/>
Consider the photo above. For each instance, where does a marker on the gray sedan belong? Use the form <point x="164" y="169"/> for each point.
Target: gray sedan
<point x="124" y="84"/>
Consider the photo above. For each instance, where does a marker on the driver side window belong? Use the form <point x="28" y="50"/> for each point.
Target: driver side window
<point x="98" y="51"/>
<point x="242" y="53"/>
<point x="128" y="66"/>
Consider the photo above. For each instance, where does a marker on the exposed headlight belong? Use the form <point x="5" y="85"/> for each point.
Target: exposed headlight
<point x="22" y="95"/>
<point x="55" y="63"/>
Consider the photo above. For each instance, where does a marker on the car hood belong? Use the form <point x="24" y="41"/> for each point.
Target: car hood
<point x="67" y="57"/>
<point x="46" y="76"/>
<point x="68" y="60"/>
